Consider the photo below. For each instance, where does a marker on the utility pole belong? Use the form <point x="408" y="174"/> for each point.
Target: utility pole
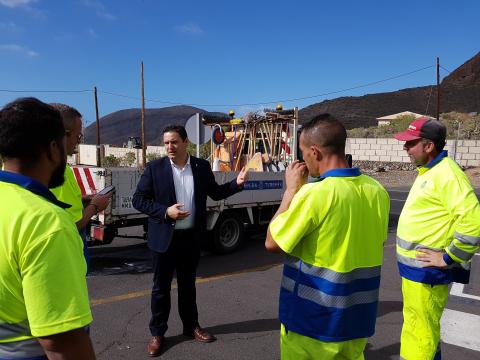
<point x="144" y="147"/>
<point x="98" y="127"/>
<point x="438" y="88"/>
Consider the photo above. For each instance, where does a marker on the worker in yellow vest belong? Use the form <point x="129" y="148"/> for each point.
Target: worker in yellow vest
<point x="44" y="305"/>
<point x="438" y="233"/>
<point x="332" y="231"/>
<point x="69" y="192"/>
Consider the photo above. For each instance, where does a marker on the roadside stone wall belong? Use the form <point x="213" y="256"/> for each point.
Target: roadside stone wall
<point x="87" y="153"/>
<point x="120" y="152"/>
<point x="465" y="152"/>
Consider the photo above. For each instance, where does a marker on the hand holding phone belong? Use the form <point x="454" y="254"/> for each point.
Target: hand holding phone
<point x="106" y="190"/>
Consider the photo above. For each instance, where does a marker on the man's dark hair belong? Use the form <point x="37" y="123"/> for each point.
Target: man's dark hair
<point x="326" y="132"/>
<point x="179" y="129"/>
<point x="69" y="114"/>
<point x="438" y="143"/>
<point x="27" y="127"/>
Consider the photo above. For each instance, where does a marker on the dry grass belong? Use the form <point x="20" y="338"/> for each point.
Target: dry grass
<point x="399" y="178"/>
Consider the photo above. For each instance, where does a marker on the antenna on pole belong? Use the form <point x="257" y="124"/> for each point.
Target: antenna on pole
<point x="98" y="127"/>
<point x="438" y="88"/>
<point x="144" y="148"/>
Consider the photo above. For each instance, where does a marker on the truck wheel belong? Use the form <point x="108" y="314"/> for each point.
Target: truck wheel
<point x="227" y="234"/>
<point x="109" y="234"/>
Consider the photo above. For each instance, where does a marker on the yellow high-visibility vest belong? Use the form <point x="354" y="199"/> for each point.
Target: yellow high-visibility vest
<point x="441" y="213"/>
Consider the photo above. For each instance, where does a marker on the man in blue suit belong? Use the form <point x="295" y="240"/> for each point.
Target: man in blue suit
<point x="173" y="192"/>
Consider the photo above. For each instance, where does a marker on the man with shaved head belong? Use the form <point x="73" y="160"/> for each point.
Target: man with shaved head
<point x="332" y="231"/>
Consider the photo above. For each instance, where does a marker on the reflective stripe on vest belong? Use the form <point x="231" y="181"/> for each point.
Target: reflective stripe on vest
<point x="459" y="253"/>
<point x="407" y="245"/>
<point x="470" y="240"/>
<point x="28" y="349"/>
<point x="329" y="305"/>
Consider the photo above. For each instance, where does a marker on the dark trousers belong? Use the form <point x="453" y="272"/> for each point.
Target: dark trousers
<point x="182" y="255"/>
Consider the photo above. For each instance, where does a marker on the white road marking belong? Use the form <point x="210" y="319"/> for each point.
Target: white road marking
<point x="460" y="329"/>
<point x="457" y="290"/>
<point x="402" y="200"/>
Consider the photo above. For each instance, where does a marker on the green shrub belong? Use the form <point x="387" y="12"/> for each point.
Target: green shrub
<point x="204" y="150"/>
<point x="110" y="161"/>
<point x="128" y="159"/>
<point x="459" y="125"/>
<point x="153" y="156"/>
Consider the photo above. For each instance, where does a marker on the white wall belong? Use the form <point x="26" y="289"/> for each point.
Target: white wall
<point x="465" y="152"/>
<point x="87" y="153"/>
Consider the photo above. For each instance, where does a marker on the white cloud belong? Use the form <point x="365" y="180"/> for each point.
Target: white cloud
<point x="9" y="26"/>
<point x="100" y="9"/>
<point x="16" y="3"/>
<point x="18" y="49"/>
<point x="92" y="33"/>
<point x="190" y="28"/>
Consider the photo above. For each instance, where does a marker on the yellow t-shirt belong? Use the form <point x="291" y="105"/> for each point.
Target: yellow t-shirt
<point x="43" y="289"/>
<point x="71" y="194"/>
<point x="339" y="223"/>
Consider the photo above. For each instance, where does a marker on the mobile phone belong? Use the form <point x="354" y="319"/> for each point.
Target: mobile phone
<point x="106" y="190"/>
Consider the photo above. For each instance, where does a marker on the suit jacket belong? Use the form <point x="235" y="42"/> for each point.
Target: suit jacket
<point x="156" y="192"/>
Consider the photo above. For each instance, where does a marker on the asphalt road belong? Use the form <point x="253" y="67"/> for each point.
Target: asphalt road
<point x="238" y="300"/>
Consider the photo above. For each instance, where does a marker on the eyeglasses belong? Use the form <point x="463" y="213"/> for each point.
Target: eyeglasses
<point x="79" y="136"/>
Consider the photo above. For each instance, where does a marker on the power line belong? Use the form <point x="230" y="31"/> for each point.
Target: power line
<point x="276" y="101"/>
<point x="44" y="91"/>
<point x="229" y="105"/>
<point x="445" y="69"/>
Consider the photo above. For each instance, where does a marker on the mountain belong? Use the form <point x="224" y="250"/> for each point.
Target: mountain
<point x="459" y="91"/>
<point x="115" y="128"/>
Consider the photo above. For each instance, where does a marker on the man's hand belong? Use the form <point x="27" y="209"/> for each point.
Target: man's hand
<point x="174" y="212"/>
<point x="296" y="176"/>
<point x="431" y="258"/>
<point x="242" y="176"/>
<point x="101" y="201"/>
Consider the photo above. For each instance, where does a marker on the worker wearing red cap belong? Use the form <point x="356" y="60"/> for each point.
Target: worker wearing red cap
<point x="438" y="233"/>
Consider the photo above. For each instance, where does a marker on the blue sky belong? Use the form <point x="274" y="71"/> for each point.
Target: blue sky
<point x="226" y="52"/>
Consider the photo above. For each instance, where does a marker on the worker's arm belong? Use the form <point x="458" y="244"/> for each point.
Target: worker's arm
<point x="70" y="345"/>
<point x="270" y="243"/>
<point x="295" y="177"/>
<point x="461" y="202"/>
<point x="97" y="203"/>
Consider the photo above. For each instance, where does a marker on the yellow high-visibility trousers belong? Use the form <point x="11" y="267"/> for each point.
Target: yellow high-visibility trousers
<point x="423" y="306"/>
<point x="294" y="346"/>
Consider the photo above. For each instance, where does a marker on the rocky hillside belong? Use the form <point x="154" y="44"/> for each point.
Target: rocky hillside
<point x="460" y="91"/>
<point x="115" y="128"/>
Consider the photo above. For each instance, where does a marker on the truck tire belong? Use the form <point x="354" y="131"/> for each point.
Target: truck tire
<point x="228" y="233"/>
<point x="109" y="234"/>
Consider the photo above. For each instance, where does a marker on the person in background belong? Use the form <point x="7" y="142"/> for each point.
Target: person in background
<point x="173" y="192"/>
<point x="332" y="231"/>
<point x="44" y="305"/>
<point x="437" y="235"/>
<point x="69" y="192"/>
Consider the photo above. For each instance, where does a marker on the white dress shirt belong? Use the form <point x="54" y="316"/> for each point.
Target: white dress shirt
<point x="183" y="181"/>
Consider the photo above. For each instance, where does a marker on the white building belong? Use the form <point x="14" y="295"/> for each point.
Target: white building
<point x="385" y="120"/>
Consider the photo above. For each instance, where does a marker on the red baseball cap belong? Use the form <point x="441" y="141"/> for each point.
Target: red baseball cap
<point x="425" y="128"/>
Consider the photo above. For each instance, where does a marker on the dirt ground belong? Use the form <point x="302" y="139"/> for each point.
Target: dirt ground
<point x="401" y="178"/>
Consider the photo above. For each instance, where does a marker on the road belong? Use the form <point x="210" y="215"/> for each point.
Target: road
<point x="238" y="301"/>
